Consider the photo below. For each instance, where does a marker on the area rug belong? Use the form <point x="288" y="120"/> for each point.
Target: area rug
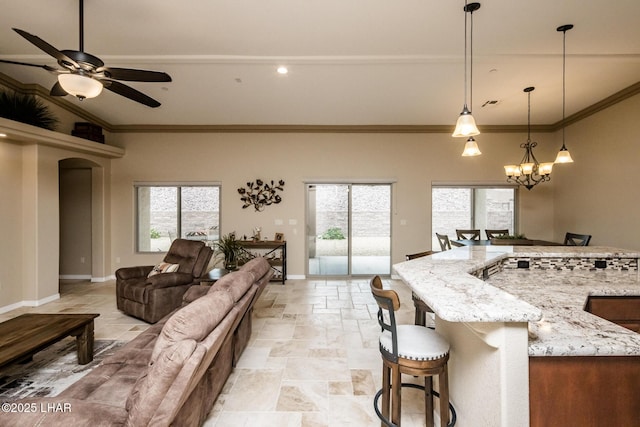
<point x="51" y="370"/>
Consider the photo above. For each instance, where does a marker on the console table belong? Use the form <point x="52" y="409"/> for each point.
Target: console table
<point x="273" y="251"/>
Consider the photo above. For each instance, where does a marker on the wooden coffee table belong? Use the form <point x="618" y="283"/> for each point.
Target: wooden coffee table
<point x="27" y="334"/>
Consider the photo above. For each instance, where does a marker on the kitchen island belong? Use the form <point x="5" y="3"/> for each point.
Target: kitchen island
<point x="506" y="308"/>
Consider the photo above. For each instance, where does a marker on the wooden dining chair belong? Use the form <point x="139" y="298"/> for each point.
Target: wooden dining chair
<point x="445" y="243"/>
<point x="473" y="234"/>
<point x="421" y="307"/>
<point x="491" y="234"/>
<point x="573" y="239"/>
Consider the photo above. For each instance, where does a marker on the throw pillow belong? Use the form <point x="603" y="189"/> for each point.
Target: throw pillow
<point x="164" y="267"/>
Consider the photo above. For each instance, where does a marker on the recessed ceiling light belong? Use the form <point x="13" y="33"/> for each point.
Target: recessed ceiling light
<point x="3" y="135"/>
<point x="282" y="70"/>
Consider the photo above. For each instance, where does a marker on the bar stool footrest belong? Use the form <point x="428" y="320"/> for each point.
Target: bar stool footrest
<point x="419" y="387"/>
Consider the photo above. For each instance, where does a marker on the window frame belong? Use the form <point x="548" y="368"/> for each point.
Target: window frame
<point x="473" y="188"/>
<point x="178" y="185"/>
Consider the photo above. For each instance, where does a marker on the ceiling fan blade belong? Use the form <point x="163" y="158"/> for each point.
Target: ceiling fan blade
<point x="46" y="67"/>
<point x="57" y="90"/>
<point x="131" y="93"/>
<point x="46" y="47"/>
<point x="131" y="75"/>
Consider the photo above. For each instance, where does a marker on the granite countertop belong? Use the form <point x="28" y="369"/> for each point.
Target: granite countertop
<point x="565" y="328"/>
<point x="444" y="283"/>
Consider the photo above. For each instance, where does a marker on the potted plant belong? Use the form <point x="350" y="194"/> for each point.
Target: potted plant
<point x="230" y="248"/>
<point x="26" y="109"/>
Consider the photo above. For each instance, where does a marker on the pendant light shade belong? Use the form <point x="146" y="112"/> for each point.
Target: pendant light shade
<point x="563" y="155"/>
<point x="471" y="148"/>
<point x="466" y="124"/>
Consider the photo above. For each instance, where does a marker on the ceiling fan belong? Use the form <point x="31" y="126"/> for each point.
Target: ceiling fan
<point x="84" y="75"/>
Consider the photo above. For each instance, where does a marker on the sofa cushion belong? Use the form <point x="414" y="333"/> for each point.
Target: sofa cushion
<point x="236" y="283"/>
<point x="163" y="267"/>
<point x="194" y="321"/>
<point x="152" y="387"/>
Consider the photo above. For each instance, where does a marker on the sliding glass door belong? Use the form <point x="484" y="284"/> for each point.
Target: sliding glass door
<point x="348" y="229"/>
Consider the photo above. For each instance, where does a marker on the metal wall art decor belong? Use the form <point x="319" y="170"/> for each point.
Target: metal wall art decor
<point x="260" y="194"/>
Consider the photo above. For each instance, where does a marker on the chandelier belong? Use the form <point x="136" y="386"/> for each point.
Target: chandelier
<point x="529" y="172"/>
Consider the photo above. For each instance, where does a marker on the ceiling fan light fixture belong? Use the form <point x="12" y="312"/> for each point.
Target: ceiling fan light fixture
<point x="80" y="86"/>
<point x="471" y="148"/>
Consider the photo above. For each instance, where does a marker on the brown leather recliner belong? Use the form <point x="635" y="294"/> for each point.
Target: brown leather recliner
<point x="152" y="298"/>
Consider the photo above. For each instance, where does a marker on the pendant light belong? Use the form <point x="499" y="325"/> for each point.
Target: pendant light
<point x="563" y="155"/>
<point x="466" y="124"/>
<point x="471" y="148"/>
<point x="529" y="172"/>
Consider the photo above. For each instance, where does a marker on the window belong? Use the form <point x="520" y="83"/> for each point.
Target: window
<point x="165" y="212"/>
<point x="468" y="207"/>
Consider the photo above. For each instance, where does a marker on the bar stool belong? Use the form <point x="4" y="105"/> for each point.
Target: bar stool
<point x="412" y="350"/>
<point x="421" y="308"/>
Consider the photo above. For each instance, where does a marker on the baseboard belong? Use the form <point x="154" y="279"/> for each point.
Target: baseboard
<point x="29" y="303"/>
<point x="296" y="276"/>
<point x="86" y="277"/>
<point x="74" y="277"/>
<point x="10" y="307"/>
<point x="102" y="279"/>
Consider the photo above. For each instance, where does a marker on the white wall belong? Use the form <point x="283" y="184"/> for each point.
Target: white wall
<point x="29" y="221"/>
<point x="598" y="194"/>
<point x="11" y="222"/>
<point x="412" y="161"/>
<point x="600" y="191"/>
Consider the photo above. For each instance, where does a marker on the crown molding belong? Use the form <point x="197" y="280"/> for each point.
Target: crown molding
<point x="35" y="89"/>
<point x="609" y="101"/>
<point x="319" y="128"/>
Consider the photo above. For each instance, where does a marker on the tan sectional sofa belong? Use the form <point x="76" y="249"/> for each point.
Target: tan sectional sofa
<point x="172" y="373"/>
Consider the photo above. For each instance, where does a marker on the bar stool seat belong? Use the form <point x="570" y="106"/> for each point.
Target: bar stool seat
<point x="412" y="350"/>
<point x="416" y="343"/>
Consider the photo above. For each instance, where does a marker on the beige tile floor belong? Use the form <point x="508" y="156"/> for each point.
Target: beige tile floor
<point x="313" y="358"/>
